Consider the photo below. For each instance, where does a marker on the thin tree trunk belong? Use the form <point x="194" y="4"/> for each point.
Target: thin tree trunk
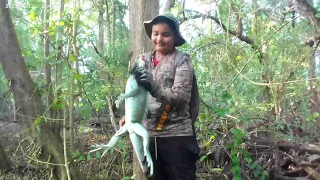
<point x="101" y="49"/>
<point x="139" y="11"/>
<point x="76" y="55"/>
<point x="27" y="101"/>
<point x="114" y="18"/>
<point x="108" y="23"/>
<point x="47" y="55"/>
<point x="59" y="65"/>
<point x="169" y="5"/>
<point x="101" y="26"/>
<point x="112" y="117"/>
<point x="65" y="152"/>
<point x="71" y="107"/>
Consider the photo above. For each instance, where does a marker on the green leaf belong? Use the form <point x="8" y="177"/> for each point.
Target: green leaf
<point x="72" y="58"/>
<point x="235" y="160"/>
<point x="76" y="154"/>
<point x="229" y="145"/>
<point x="202" y="158"/>
<point x="98" y="154"/>
<point x="126" y="178"/>
<point x="252" y="166"/>
<point x="61" y="23"/>
<point x="77" y="76"/>
<point x="35" y="31"/>
<point x="315" y="115"/>
<point x="38" y="128"/>
<point x="232" y="110"/>
<point x="89" y="157"/>
<point x="317" y="15"/>
<point x="309" y="118"/>
<point x="32" y="16"/>
<point x="36" y="123"/>
<point x="121" y="145"/>
<point x="248" y="159"/>
<point x="197" y="124"/>
<point x="236" y="169"/>
<point x="80" y="158"/>
<point x="218" y="170"/>
<point x="238" y="58"/>
<point x="226" y="96"/>
<point x="221" y="113"/>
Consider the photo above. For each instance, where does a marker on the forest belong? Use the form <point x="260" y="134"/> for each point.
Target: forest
<point x="64" y="63"/>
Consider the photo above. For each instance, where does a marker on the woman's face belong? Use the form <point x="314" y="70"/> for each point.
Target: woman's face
<point x="162" y="38"/>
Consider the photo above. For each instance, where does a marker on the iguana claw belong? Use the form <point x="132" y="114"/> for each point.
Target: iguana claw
<point x="100" y="147"/>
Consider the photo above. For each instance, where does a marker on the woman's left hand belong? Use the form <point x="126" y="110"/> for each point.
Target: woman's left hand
<point x="145" y="78"/>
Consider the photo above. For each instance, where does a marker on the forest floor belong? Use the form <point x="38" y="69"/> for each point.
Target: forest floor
<point x="259" y="156"/>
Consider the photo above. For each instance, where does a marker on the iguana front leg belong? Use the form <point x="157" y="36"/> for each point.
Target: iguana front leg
<point x="129" y="94"/>
<point x="113" y="141"/>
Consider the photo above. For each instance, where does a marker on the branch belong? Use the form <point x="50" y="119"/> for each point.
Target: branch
<point x="304" y="8"/>
<point x="99" y="54"/>
<point x="245" y="39"/>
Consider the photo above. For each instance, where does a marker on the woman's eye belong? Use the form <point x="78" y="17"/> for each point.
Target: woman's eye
<point x="166" y="34"/>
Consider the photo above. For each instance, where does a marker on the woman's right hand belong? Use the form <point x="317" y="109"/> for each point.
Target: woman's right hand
<point x="122" y="122"/>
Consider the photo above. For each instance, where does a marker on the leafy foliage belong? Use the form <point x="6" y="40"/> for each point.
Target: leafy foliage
<point x="260" y="76"/>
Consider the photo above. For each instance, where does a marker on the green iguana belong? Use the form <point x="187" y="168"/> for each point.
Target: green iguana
<point x="135" y="112"/>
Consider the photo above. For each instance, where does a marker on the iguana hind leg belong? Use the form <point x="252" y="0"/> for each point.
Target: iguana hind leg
<point x="113" y="141"/>
<point x="143" y="133"/>
<point x="121" y="97"/>
<point x="138" y="148"/>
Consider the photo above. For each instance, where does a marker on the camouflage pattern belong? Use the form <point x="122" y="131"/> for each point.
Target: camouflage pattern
<point x="174" y="89"/>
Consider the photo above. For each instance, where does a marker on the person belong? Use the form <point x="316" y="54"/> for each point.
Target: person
<point x="173" y="144"/>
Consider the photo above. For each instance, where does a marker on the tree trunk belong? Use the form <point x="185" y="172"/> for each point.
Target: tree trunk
<point x="46" y="20"/>
<point x="29" y="107"/>
<point x="108" y="23"/>
<point x="59" y="66"/>
<point x="306" y="9"/>
<point x="139" y="11"/>
<point x="101" y="49"/>
<point x="5" y="162"/>
<point x="114" y="18"/>
<point x="101" y="28"/>
<point x="72" y="73"/>
<point x="169" y="5"/>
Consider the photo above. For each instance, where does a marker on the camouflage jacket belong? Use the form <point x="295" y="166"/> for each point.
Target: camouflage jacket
<point x="168" y="113"/>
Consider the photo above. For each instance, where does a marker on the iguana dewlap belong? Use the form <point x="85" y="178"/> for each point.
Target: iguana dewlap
<point x="135" y="112"/>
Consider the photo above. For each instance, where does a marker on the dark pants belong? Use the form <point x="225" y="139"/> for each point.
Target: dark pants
<point x="176" y="157"/>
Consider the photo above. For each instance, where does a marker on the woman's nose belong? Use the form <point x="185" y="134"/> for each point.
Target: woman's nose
<point x="159" y="38"/>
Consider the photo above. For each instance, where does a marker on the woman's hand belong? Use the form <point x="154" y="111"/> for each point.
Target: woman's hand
<point x="122" y="122"/>
<point x="145" y="78"/>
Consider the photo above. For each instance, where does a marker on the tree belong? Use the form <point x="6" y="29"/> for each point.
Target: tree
<point x="140" y="11"/>
<point x="29" y="108"/>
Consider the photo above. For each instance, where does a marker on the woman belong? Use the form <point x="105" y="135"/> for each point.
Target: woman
<point x="173" y="145"/>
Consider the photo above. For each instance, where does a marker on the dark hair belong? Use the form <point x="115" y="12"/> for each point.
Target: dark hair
<point x="167" y="21"/>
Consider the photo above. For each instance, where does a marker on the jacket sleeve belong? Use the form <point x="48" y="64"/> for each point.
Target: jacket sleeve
<point x="179" y="94"/>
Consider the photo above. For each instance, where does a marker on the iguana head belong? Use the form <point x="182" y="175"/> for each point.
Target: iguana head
<point x="140" y="63"/>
